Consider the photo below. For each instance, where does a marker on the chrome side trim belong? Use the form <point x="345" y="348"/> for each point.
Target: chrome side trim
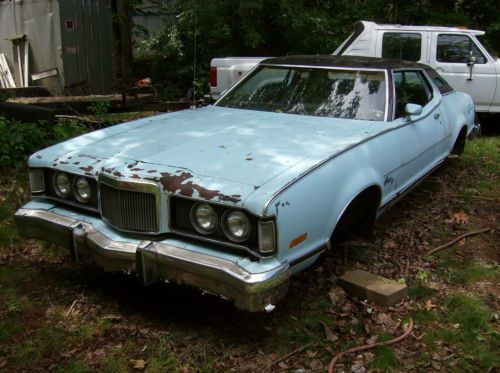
<point x="155" y="261"/>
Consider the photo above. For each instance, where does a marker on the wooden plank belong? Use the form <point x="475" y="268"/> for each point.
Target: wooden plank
<point x="5" y="72"/>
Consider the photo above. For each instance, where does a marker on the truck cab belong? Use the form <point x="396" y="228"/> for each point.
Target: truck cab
<point x="456" y="53"/>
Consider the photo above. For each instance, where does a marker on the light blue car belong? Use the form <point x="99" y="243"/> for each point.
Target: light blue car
<point x="236" y="197"/>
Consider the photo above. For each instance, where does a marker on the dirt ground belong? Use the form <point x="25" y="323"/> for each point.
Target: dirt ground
<point x="57" y="315"/>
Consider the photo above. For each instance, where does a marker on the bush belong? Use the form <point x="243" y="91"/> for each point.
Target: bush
<point x="19" y="139"/>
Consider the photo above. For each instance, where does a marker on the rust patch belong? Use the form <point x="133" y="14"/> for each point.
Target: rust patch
<point x="172" y="183"/>
<point x="136" y="169"/>
<point x="63" y="162"/>
<point x="76" y="163"/>
<point x="177" y="184"/>
<point x="54" y="164"/>
<point x="117" y="173"/>
<point x="135" y="176"/>
<point x="87" y="168"/>
<point x="152" y="171"/>
<point x="39" y="156"/>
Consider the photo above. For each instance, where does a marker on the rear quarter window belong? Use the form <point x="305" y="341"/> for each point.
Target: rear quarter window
<point x="441" y="84"/>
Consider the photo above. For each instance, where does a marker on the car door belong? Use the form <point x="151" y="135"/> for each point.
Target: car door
<point x="451" y="59"/>
<point x="420" y="137"/>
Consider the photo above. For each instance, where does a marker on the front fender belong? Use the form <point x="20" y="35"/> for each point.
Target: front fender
<point x="309" y="209"/>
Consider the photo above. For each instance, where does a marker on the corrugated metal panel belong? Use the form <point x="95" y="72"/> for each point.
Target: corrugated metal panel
<point x="86" y="34"/>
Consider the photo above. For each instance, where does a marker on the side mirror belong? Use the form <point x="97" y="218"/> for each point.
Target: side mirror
<point x="413" y="109"/>
<point x="470" y="62"/>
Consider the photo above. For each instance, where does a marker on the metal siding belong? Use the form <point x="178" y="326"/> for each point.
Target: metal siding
<point x="92" y="38"/>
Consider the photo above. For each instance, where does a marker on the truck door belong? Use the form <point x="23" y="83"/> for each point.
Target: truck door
<point x="452" y="59"/>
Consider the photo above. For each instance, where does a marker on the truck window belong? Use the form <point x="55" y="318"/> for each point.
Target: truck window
<point x="411" y="87"/>
<point x="456" y="49"/>
<point x="402" y="45"/>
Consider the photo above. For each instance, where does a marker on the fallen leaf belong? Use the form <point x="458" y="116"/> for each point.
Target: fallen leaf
<point x="282" y="365"/>
<point x="333" y="297"/>
<point x="316" y="365"/>
<point x="112" y="317"/>
<point x="436" y="365"/>
<point x="137" y="364"/>
<point x="429" y="305"/>
<point x="69" y="353"/>
<point x="390" y="245"/>
<point x="460" y="218"/>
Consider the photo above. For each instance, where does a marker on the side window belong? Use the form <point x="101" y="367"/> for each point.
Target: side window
<point x="456" y="49"/>
<point x="411" y="87"/>
<point x="402" y="45"/>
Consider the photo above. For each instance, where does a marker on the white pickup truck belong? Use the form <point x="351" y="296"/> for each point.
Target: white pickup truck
<point x="456" y="53"/>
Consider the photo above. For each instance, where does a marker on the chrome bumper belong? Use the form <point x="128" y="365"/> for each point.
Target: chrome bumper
<point x="155" y="261"/>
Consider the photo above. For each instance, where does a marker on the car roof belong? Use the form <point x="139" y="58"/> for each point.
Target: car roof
<point x="343" y="61"/>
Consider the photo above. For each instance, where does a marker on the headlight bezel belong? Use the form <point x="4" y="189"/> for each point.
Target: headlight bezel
<point x="50" y="192"/>
<point x="180" y="224"/>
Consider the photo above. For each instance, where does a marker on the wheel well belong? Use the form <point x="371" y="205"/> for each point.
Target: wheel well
<point x="459" y="146"/>
<point x="359" y="216"/>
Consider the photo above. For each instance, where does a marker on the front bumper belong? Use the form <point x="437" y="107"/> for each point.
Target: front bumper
<point x="155" y="261"/>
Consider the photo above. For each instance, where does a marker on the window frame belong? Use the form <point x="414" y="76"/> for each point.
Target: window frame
<point x="430" y="87"/>
<point x="471" y="41"/>
<point x="387" y="77"/>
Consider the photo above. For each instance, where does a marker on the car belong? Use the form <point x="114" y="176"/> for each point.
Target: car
<point x="236" y="197"/>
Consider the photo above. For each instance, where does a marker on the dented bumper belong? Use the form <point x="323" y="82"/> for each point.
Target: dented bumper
<point x="155" y="261"/>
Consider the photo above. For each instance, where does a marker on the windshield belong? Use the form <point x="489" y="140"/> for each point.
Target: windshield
<point x="334" y="93"/>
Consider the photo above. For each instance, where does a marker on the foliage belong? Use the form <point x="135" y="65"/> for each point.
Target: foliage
<point x="19" y="139"/>
<point x="280" y="27"/>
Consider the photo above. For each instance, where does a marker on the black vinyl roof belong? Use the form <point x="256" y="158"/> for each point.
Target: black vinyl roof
<point x="344" y="61"/>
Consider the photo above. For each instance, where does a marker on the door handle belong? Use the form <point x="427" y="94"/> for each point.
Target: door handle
<point x="437" y="115"/>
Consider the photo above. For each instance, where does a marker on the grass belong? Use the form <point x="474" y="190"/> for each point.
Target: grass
<point x="385" y="359"/>
<point x="475" y="272"/>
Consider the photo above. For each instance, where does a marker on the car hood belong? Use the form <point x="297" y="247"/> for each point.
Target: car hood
<point x="215" y="145"/>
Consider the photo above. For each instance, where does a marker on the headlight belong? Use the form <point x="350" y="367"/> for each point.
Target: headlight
<point x="62" y="185"/>
<point x="203" y="218"/>
<point x="82" y="190"/>
<point x="236" y="226"/>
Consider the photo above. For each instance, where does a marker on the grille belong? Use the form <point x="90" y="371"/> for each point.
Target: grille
<point x="133" y="211"/>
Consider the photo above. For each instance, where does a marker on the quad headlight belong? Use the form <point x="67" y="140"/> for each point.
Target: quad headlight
<point x="82" y="190"/>
<point x="203" y="218"/>
<point x="62" y="185"/>
<point x="236" y="226"/>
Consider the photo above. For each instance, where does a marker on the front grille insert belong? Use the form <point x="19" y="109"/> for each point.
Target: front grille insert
<point x="129" y="210"/>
